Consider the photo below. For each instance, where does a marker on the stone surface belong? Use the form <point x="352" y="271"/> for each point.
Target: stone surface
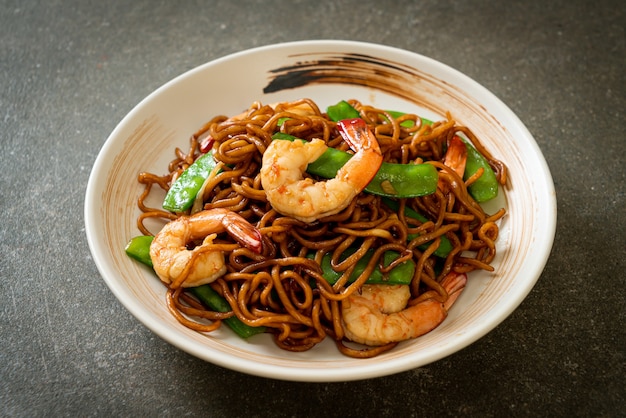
<point x="70" y="70"/>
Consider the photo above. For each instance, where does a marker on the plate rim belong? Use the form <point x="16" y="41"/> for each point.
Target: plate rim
<point x="311" y="374"/>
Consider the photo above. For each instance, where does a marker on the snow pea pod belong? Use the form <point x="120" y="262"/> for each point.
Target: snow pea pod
<point x="138" y="248"/>
<point x="401" y="274"/>
<point x="215" y="301"/>
<point x="391" y="180"/>
<point x="445" y="246"/>
<point x="183" y="191"/>
<point x="408" y="123"/>
<point x="486" y="186"/>
<point x="342" y="110"/>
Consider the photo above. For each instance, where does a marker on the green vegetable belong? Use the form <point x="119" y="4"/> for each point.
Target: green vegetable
<point x="391" y="180"/>
<point x="139" y="249"/>
<point x="215" y="301"/>
<point x="486" y="186"/>
<point x="444" y="246"/>
<point x="408" y="123"/>
<point x="401" y="274"/>
<point x="182" y="193"/>
<point x="404" y="180"/>
<point x="342" y="110"/>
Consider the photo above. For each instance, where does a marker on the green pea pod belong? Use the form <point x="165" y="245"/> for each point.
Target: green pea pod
<point x="401" y="274"/>
<point x="215" y="301"/>
<point x="342" y="110"/>
<point x="408" y="123"/>
<point x="445" y="246"/>
<point x="486" y="186"/>
<point x="404" y="180"/>
<point x="183" y="191"/>
<point x="138" y="248"/>
<point x="391" y="180"/>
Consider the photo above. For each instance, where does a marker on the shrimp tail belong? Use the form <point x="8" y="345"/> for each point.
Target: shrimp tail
<point x="456" y="155"/>
<point x="360" y="138"/>
<point x="454" y="283"/>
<point x="243" y="232"/>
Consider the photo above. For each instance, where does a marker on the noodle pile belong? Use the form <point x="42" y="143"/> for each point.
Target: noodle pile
<point x="283" y="288"/>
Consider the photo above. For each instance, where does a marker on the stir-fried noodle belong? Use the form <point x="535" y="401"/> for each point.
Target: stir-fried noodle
<point x="282" y="288"/>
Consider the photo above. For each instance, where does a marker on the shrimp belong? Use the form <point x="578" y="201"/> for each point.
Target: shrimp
<point x="172" y="260"/>
<point x="289" y="193"/>
<point x="456" y="155"/>
<point x="455" y="158"/>
<point x="379" y="314"/>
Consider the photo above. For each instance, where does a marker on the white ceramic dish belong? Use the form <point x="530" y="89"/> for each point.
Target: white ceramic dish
<point x="326" y="71"/>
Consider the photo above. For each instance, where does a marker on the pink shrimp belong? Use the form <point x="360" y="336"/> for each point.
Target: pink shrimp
<point x="284" y="163"/>
<point x="170" y="256"/>
<point x="456" y="155"/>
<point x="379" y="314"/>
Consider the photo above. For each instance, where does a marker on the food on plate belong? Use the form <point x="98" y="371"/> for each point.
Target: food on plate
<point x="355" y="223"/>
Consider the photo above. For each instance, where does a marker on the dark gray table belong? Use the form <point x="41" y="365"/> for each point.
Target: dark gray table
<point x="70" y="70"/>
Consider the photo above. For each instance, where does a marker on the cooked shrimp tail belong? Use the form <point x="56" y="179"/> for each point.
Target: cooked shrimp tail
<point x="242" y="231"/>
<point x="456" y="155"/>
<point x="454" y="283"/>
<point x="179" y="266"/>
<point x="358" y="136"/>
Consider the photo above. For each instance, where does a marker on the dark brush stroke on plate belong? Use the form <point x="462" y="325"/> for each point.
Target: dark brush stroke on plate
<point x="356" y="69"/>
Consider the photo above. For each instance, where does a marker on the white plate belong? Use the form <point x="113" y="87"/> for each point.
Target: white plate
<point x="326" y="71"/>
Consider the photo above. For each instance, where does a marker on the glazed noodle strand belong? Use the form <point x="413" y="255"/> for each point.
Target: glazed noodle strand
<point x="284" y="288"/>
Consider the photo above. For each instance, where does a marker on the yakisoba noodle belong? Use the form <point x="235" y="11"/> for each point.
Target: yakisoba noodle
<point x="282" y="288"/>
